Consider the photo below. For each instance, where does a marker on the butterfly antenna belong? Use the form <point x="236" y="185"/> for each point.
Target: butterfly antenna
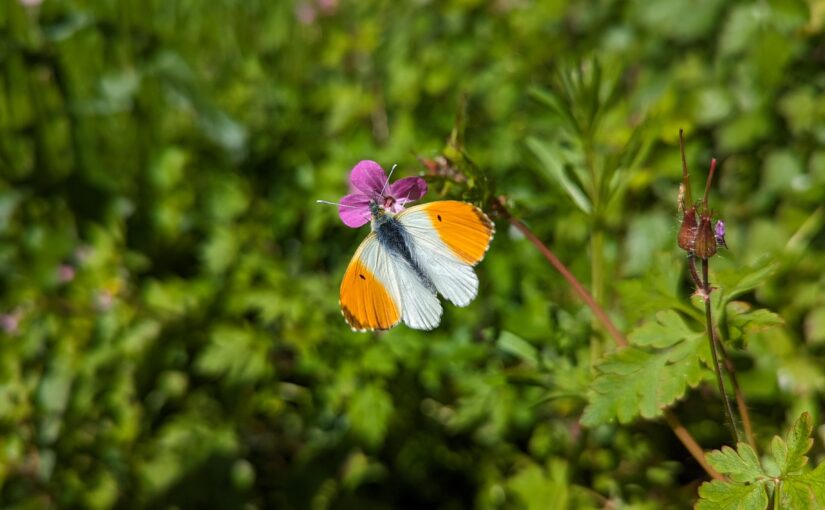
<point x="335" y="203"/>
<point x="388" y="179"/>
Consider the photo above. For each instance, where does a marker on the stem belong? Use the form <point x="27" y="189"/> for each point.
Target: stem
<point x="685" y="180"/>
<point x="693" y="274"/>
<point x="716" y="366"/>
<point x="681" y="432"/>
<point x="741" y="405"/>
<point x="800" y="239"/>
<point x="705" y="211"/>
<point x="690" y="443"/>
<point x="585" y="296"/>
<point x="597" y="283"/>
<point x="777" y="494"/>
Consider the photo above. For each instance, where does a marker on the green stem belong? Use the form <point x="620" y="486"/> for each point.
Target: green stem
<point x="597" y="283"/>
<point x="800" y="239"/>
<point x="777" y="495"/>
<point x="716" y="366"/>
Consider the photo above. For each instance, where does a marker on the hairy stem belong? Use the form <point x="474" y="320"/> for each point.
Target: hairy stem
<point x="741" y="405"/>
<point x="717" y="368"/>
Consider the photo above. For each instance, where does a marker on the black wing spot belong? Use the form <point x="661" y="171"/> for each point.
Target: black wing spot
<point x="438" y="216"/>
<point x="361" y="276"/>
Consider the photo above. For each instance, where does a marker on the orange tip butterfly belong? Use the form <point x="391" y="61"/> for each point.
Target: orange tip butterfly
<point x="411" y="254"/>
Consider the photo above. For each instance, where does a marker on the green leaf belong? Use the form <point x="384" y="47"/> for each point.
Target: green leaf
<point x="718" y="495"/>
<point x="369" y="413"/>
<point x="537" y="490"/>
<point x="668" y="329"/>
<point x="553" y="168"/>
<point x="747" y="490"/>
<point x="636" y="382"/>
<point x="740" y="465"/>
<point x="742" y="319"/>
<point x="790" y="454"/>
<point x="805" y="492"/>
<point x="519" y="347"/>
<point x="237" y="354"/>
<point x="742" y="279"/>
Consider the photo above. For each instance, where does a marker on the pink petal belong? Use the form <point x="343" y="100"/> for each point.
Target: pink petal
<point x="367" y="177"/>
<point x="355" y="210"/>
<point x="408" y="189"/>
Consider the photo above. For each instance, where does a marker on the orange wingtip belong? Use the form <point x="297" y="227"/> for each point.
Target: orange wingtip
<point x="463" y="227"/>
<point x="365" y="302"/>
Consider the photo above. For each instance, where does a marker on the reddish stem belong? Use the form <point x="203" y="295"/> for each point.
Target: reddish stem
<point x="597" y="310"/>
<point x="692" y="446"/>
<point x="705" y="210"/>
<point x="685" y="179"/>
<point x="681" y="432"/>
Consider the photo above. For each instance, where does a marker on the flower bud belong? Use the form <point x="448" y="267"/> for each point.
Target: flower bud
<point x="705" y="245"/>
<point x="687" y="232"/>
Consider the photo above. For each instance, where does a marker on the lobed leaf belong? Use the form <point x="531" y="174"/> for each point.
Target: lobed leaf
<point x="790" y="454"/>
<point x="635" y="382"/>
<point x="740" y="465"/>
<point x="718" y="495"/>
<point x="747" y="490"/>
<point x="804" y="492"/>
<point x="667" y="330"/>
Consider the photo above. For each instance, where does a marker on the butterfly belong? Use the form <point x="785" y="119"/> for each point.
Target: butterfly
<point x="411" y="255"/>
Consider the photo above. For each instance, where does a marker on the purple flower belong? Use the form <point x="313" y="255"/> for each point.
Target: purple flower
<point x="368" y="182"/>
<point x="719" y="232"/>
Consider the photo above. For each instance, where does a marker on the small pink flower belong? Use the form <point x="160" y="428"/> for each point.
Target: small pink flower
<point x="104" y="300"/>
<point x="10" y="322"/>
<point x="306" y="13"/>
<point x="65" y="273"/>
<point x="368" y="183"/>
<point x="328" y="6"/>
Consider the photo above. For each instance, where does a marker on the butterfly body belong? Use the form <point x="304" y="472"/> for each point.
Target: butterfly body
<point x="395" y="239"/>
<point x="409" y="258"/>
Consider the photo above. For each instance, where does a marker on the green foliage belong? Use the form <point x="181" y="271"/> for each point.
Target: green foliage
<point x="636" y="381"/>
<point x="751" y="484"/>
<point x="169" y="328"/>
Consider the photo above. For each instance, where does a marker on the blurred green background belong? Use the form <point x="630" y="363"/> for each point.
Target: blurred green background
<point x="169" y="328"/>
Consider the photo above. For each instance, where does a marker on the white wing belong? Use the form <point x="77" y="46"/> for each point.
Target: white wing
<point x="361" y="300"/>
<point x="449" y="238"/>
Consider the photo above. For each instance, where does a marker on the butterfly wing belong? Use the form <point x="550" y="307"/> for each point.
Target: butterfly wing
<point x="449" y="238"/>
<point x="379" y="289"/>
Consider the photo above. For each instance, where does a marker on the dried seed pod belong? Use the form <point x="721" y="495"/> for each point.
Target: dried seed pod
<point x="705" y="244"/>
<point x="687" y="232"/>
